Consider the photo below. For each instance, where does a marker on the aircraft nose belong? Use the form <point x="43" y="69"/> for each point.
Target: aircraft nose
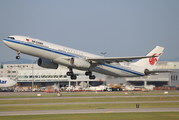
<point x="5" y="42"/>
<point x="14" y="82"/>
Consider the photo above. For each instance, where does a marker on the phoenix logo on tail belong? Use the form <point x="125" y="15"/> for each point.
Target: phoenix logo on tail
<point x="152" y="60"/>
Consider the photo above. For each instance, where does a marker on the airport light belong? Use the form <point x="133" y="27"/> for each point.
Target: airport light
<point x="32" y="75"/>
<point x="103" y="53"/>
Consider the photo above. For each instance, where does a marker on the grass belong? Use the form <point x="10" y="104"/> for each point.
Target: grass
<point x="85" y="94"/>
<point x="100" y="116"/>
<point x="86" y="106"/>
<point x="75" y="100"/>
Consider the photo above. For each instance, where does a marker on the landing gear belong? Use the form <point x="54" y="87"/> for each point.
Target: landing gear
<point x="89" y="73"/>
<point x="92" y="77"/>
<point x="17" y="57"/>
<point x="70" y="73"/>
<point x="18" y="52"/>
<point x="73" y="77"/>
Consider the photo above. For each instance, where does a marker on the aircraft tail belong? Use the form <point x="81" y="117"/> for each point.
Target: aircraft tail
<point x="149" y="63"/>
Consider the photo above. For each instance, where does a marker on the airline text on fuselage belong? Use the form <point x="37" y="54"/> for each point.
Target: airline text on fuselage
<point x="36" y="42"/>
<point x="3" y="81"/>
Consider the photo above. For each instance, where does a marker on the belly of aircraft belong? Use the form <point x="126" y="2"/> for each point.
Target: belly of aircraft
<point x="116" y="71"/>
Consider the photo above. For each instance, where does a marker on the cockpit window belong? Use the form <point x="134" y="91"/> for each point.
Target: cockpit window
<point x="11" y="38"/>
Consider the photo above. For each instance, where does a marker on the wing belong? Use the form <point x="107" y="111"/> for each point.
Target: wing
<point x="103" y="60"/>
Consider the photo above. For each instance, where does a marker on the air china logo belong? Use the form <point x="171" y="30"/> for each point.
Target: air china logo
<point x="152" y="60"/>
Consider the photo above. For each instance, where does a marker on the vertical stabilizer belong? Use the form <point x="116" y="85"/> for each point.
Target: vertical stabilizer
<point x="149" y="63"/>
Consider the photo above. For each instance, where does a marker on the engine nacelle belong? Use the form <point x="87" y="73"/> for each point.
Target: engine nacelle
<point x="80" y="63"/>
<point x="47" y="64"/>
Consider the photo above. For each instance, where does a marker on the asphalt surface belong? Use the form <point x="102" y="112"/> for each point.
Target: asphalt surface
<point x="130" y="96"/>
<point x="123" y="110"/>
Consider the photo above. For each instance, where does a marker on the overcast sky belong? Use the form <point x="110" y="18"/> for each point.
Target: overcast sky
<point x="119" y="27"/>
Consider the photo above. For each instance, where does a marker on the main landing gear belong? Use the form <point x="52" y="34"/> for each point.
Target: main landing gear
<point x="89" y="73"/>
<point x="73" y="76"/>
<point x="18" y="52"/>
<point x="70" y="73"/>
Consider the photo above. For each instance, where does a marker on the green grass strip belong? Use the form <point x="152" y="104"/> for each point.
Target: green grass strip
<point x="99" y="116"/>
<point x="74" y="100"/>
<point x="87" y="106"/>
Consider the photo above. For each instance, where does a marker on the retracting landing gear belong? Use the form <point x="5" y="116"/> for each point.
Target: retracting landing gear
<point x="18" y="52"/>
<point x="70" y="73"/>
<point x="89" y="73"/>
<point x="73" y="77"/>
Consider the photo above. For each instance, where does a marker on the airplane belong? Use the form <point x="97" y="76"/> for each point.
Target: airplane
<point x="6" y="82"/>
<point x="51" y="55"/>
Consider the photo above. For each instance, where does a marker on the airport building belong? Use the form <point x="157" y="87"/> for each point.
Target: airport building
<point x="32" y="74"/>
<point x="160" y="79"/>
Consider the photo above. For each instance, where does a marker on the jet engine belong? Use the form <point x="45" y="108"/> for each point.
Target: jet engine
<point x="47" y="63"/>
<point x="80" y="63"/>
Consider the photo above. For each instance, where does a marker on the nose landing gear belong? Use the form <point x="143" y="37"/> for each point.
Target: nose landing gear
<point x="18" y="52"/>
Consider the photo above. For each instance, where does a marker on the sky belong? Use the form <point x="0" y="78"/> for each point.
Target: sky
<point x="119" y="27"/>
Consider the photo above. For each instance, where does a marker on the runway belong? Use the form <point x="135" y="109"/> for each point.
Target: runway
<point x="123" y="110"/>
<point x="81" y="97"/>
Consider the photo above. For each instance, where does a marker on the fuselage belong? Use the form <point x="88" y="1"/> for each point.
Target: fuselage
<point x="60" y="55"/>
<point x="6" y="82"/>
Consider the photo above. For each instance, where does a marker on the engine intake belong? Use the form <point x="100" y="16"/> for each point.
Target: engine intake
<point x="47" y="63"/>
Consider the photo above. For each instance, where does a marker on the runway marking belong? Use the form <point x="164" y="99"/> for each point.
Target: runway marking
<point x="108" y="112"/>
<point x="15" y="114"/>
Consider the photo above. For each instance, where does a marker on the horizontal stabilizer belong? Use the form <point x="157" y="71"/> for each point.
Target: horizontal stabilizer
<point x="147" y="72"/>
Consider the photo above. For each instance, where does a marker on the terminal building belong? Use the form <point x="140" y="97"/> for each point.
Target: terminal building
<point x="32" y="74"/>
<point x="168" y="78"/>
<point x="160" y="79"/>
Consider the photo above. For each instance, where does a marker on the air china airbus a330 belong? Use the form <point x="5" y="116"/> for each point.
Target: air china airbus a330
<point x="50" y="55"/>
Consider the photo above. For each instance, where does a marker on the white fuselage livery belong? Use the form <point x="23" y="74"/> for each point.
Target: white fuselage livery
<point x="6" y="82"/>
<point x="82" y="60"/>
